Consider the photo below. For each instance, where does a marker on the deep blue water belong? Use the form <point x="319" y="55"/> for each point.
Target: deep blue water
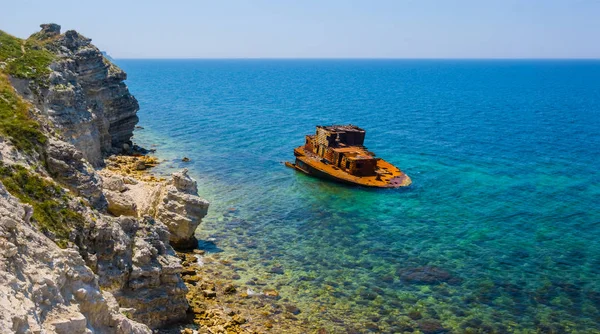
<point x="499" y="231"/>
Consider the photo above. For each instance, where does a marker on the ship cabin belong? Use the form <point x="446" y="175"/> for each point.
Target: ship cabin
<point x="342" y="147"/>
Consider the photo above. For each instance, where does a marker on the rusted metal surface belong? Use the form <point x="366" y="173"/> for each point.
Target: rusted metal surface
<point x="337" y="152"/>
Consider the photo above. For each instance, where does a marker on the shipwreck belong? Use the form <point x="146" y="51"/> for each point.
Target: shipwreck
<point x="337" y="153"/>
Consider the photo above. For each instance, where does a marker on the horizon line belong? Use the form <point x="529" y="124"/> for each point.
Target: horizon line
<point x="349" y="58"/>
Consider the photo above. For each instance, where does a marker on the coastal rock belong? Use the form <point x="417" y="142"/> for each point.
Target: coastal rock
<point x="50" y="30"/>
<point x="69" y="167"/>
<point x="87" y="99"/>
<point x="133" y="260"/>
<point x="175" y="203"/>
<point x="120" y="204"/>
<point x="115" y="266"/>
<point x="115" y="183"/>
<point x="181" y="209"/>
<point x="47" y="289"/>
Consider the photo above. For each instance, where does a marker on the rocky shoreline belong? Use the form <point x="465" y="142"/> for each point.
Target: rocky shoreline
<point x="87" y="234"/>
<point x="83" y="249"/>
<point x="219" y="302"/>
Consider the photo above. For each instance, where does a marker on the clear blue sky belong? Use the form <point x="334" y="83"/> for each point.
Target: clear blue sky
<point x="321" y="29"/>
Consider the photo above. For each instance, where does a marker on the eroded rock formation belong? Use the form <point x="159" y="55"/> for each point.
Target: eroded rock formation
<point x="47" y="289"/>
<point x="133" y="260"/>
<point x="118" y="272"/>
<point x="181" y="209"/>
<point x="87" y="99"/>
<point x="174" y="202"/>
<point x="68" y="165"/>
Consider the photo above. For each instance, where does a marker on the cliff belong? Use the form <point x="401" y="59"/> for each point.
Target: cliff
<point x="83" y="94"/>
<point x="78" y="252"/>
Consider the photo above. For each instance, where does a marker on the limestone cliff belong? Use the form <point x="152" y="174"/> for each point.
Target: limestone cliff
<point x="70" y="263"/>
<point x="47" y="289"/>
<point x="174" y="202"/>
<point x="86" y="98"/>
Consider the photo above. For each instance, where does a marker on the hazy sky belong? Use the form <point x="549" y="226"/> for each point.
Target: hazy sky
<point x="321" y="29"/>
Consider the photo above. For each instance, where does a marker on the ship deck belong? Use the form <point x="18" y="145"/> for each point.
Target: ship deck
<point x="388" y="175"/>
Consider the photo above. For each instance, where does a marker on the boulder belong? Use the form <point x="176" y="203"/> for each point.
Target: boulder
<point x="181" y="210"/>
<point x="50" y="30"/>
<point x="115" y="183"/>
<point x="120" y="204"/>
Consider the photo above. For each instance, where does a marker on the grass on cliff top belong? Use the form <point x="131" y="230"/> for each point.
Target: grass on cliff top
<point x="26" y="59"/>
<point x="15" y="121"/>
<point x="50" y="203"/>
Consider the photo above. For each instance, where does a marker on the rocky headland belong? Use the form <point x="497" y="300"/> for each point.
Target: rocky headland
<point x="86" y="244"/>
<point x="90" y="241"/>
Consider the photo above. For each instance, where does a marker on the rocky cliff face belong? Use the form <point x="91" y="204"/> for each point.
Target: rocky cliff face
<point x="47" y="289"/>
<point x="174" y="202"/>
<point x="134" y="261"/>
<point x="117" y="271"/>
<point x="87" y="99"/>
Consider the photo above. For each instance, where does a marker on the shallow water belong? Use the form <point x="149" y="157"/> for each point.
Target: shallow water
<point x="498" y="231"/>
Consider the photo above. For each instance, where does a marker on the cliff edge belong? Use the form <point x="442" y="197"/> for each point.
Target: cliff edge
<point x="82" y="94"/>
<point x="70" y="261"/>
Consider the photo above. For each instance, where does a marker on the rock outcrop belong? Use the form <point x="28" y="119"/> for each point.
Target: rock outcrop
<point x="133" y="260"/>
<point x="118" y="272"/>
<point x="175" y="203"/>
<point x="181" y="210"/>
<point x="120" y="204"/>
<point x="49" y="30"/>
<point x="68" y="166"/>
<point x="47" y="289"/>
<point x="87" y="99"/>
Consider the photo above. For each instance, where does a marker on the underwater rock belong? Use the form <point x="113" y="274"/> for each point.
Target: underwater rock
<point x="426" y="275"/>
<point x="368" y="295"/>
<point x="229" y="289"/>
<point x="293" y="309"/>
<point x="276" y="270"/>
<point x="271" y="293"/>
<point x="209" y="293"/>
<point x="431" y="326"/>
<point x="372" y="327"/>
<point x="415" y="315"/>
<point x="140" y="165"/>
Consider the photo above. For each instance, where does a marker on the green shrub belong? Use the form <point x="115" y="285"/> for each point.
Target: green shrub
<point x="51" y="211"/>
<point x="27" y="59"/>
<point x="15" y="121"/>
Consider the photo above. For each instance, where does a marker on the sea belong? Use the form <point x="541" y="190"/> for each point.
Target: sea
<point x="499" y="231"/>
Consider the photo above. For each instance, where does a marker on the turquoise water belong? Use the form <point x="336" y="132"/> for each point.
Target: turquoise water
<point x="499" y="231"/>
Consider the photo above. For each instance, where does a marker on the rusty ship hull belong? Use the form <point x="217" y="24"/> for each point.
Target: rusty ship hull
<point x="336" y="152"/>
<point x="311" y="164"/>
